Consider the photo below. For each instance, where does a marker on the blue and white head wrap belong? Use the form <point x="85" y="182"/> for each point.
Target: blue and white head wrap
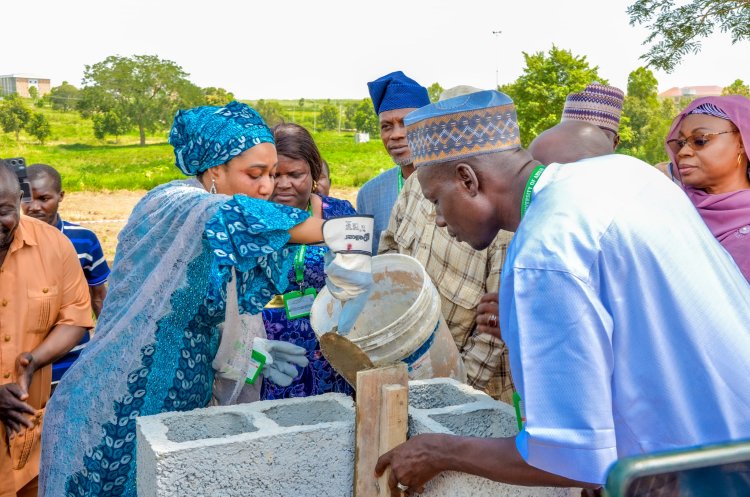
<point x="208" y="136"/>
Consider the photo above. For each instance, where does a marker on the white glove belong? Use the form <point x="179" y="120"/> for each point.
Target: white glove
<point x="348" y="264"/>
<point x="281" y="358"/>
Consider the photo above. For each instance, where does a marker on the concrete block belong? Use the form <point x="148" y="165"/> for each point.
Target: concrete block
<point x="305" y="447"/>
<point x="443" y="405"/>
<point x="292" y="447"/>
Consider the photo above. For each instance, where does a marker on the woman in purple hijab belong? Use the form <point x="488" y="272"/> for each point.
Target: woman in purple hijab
<point x="707" y="145"/>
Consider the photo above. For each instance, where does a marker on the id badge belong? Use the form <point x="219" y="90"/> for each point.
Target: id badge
<point x="298" y="304"/>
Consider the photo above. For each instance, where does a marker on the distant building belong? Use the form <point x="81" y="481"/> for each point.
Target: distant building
<point x="20" y="84"/>
<point x="691" y="92"/>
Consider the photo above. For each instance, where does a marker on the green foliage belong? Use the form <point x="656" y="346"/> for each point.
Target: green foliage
<point x="648" y="119"/>
<point x="540" y="92"/>
<point x="301" y="102"/>
<point x="14" y="115"/>
<point x="434" y="91"/>
<point x="676" y="30"/>
<point x="64" y="97"/>
<point x="365" y="119"/>
<point x="38" y="127"/>
<point x="33" y="92"/>
<point x="329" y="117"/>
<point x="143" y="90"/>
<point x="271" y="111"/>
<point x="737" y="88"/>
<point x="217" y="96"/>
<point x="110" y="123"/>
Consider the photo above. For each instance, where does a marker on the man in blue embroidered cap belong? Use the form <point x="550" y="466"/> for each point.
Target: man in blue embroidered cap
<point x="462" y="275"/>
<point x="393" y="96"/>
<point x="599" y="306"/>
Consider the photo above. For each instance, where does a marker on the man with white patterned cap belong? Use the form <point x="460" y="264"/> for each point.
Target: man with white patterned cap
<point x="600" y="105"/>
<point x="620" y="311"/>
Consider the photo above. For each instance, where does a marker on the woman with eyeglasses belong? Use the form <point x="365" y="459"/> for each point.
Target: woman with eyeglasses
<point x="707" y="147"/>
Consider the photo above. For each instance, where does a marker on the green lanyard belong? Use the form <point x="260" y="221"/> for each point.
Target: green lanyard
<point x="299" y="258"/>
<point x="527" y="191"/>
<point x="400" y="181"/>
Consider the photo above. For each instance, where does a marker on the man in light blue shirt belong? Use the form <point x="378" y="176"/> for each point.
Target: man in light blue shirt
<point x="625" y="320"/>
<point x="393" y="96"/>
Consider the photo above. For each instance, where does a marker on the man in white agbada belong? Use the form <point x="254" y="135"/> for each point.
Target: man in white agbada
<point x="625" y="320"/>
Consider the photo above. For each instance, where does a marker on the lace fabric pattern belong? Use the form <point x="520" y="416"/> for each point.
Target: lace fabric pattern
<point x="157" y="333"/>
<point x="318" y="377"/>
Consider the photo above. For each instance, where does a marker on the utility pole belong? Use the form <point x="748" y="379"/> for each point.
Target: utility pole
<point x="497" y="63"/>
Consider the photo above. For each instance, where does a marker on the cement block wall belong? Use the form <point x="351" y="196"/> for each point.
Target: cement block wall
<point x="279" y="448"/>
<point x="305" y="447"/>
<point x="443" y="405"/>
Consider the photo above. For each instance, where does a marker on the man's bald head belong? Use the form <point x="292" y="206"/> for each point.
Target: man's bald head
<point x="9" y="180"/>
<point x="570" y="141"/>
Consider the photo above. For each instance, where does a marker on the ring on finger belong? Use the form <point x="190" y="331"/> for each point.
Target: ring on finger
<point x="402" y="487"/>
<point x="492" y="321"/>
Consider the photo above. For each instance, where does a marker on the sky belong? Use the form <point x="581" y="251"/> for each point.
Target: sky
<point x="287" y="49"/>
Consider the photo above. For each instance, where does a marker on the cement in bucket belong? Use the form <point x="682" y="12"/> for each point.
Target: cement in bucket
<point x="401" y="321"/>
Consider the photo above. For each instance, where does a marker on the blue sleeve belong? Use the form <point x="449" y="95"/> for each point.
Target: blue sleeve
<point x="334" y="207"/>
<point x="362" y="207"/>
<point x="251" y="235"/>
<point x="98" y="272"/>
<point x="559" y="337"/>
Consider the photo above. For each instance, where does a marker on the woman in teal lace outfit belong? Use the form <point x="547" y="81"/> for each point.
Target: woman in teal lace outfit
<point x="158" y="332"/>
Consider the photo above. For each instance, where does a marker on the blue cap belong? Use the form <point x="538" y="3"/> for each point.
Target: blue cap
<point x="397" y="91"/>
<point x="478" y="123"/>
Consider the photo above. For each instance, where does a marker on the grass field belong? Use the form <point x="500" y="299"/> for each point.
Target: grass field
<point x="88" y="164"/>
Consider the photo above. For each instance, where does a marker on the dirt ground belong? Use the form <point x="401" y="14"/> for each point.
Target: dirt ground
<point x="105" y="213"/>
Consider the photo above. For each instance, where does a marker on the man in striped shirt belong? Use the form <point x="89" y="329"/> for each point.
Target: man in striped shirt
<point x="47" y="193"/>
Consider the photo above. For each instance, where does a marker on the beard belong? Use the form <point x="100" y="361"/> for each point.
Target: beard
<point x="404" y="161"/>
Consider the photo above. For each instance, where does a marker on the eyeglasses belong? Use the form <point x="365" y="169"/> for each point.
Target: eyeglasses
<point x="695" y="142"/>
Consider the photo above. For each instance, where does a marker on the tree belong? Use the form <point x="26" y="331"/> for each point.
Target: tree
<point x="14" y="116"/>
<point x="301" y="103"/>
<point x="648" y="119"/>
<point x="329" y="117"/>
<point x="350" y="109"/>
<point x="540" y="92"/>
<point x="676" y="30"/>
<point x="737" y="88"/>
<point x="38" y="127"/>
<point x="271" y="112"/>
<point x="110" y="123"/>
<point x="365" y="119"/>
<point x="64" y="97"/>
<point x="143" y="90"/>
<point x="33" y="93"/>
<point x="217" y="96"/>
<point x="434" y="91"/>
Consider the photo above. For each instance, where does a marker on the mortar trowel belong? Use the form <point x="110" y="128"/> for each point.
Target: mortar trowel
<point x="344" y="356"/>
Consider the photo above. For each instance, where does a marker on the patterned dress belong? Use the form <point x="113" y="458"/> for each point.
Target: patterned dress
<point x="318" y="377"/>
<point x="157" y="334"/>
